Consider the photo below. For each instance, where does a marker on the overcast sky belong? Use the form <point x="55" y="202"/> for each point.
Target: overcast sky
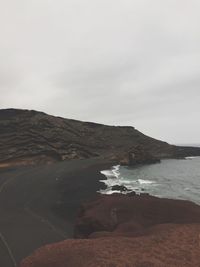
<point x="119" y="62"/>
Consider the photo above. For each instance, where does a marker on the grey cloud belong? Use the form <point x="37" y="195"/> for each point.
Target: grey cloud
<point x="133" y="62"/>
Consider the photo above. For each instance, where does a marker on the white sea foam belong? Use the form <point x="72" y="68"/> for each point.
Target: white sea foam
<point x="171" y="179"/>
<point x="109" y="191"/>
<point x="114" y="172"/>
<point x="190" y="157"/>
<point x="107" y="173"/>
<point x="187" y="189"/>
<point x="114" y="178"/>
<point x="109" y="182"/>
<point x="141" y="181"/>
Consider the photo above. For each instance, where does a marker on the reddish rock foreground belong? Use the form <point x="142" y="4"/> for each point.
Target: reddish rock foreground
<point x="128" y="231"/>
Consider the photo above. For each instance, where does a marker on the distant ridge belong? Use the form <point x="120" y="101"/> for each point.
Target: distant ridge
<point x="189" y="145"/>
<point x="29" y="136"/>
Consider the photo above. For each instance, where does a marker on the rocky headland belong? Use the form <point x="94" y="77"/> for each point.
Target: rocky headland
<point x="31" y="137"/>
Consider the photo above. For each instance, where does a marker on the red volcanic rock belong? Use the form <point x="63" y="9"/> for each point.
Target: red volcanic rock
<point x="128" y="231"/>
<point x="164" y="246"/>
<point x="133" y="214"/>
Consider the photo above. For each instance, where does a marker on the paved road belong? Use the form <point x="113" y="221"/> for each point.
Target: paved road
<point x="28" y="197"/>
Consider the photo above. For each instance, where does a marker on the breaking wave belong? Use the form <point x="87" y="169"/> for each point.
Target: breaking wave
<point x="176" y="179"/>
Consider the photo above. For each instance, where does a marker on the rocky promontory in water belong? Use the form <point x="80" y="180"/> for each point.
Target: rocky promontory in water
<point x="31" y="137"/>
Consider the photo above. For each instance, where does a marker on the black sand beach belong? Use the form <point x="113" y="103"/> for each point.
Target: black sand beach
<point x="38" y="204"/>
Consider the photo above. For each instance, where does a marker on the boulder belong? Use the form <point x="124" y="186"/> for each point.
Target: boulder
<point x="120" y="188"/>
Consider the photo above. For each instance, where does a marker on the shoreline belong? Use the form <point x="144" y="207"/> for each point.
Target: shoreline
<point x="171" y="178"/>
<point x="57" y="194"/>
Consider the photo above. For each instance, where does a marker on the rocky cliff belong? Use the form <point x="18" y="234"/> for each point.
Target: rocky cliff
<point x="28" y="136"/>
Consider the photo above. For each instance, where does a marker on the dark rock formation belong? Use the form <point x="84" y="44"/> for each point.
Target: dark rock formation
<point x="138" y="156"/>
<point x="119" y="188"/>
<point x="32" y="137"/>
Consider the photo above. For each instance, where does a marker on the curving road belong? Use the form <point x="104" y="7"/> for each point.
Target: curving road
<point x="38" y="204"/>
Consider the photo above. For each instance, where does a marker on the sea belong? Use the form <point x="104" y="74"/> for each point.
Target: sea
<point x="171" y="178"/>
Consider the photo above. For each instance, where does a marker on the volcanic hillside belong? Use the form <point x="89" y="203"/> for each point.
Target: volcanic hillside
<point x="28" y="136"/>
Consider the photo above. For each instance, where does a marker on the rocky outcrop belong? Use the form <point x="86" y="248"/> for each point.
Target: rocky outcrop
<point x="121" y="188"/>
<point x="138" y="156"/>
<point x="137" y="231"/>
<point x="28" y="137"/>
<point x="165" y="245"/>
<point x="127" y="214"/>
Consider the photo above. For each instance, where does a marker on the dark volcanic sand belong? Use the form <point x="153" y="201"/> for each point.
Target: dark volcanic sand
<point x="38" y="204"/>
